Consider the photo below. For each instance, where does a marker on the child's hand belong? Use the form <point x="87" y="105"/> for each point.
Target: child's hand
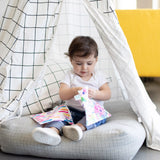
<point x="76" y="89"/>
<point x="92" y="93"/>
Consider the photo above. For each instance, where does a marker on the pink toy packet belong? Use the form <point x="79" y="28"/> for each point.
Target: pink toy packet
<point x="59" y="113"/>
<point x="94" y="111"/>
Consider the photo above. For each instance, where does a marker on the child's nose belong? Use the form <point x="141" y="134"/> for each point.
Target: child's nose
<point x="84" y="66"/>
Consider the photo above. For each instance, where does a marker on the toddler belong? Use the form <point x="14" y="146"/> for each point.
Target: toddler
<point x="83" y="54"/>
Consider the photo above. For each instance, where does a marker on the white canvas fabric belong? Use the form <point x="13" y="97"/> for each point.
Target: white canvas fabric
<point x="118" y="48"/>
<point x="34" y="36"/>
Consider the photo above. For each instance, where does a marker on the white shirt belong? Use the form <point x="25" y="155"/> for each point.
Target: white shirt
<point x="73" y="80"/>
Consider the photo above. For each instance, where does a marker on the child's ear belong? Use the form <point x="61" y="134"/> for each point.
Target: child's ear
<point x="96" y="58"/>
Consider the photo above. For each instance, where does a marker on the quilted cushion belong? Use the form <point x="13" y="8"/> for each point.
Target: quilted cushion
<point x="119" y="139"/>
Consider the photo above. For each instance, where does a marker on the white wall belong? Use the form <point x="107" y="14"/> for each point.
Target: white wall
<point x="155" y="4"/>
<point x="133" y="4"/>
<point x="125" y="4"/>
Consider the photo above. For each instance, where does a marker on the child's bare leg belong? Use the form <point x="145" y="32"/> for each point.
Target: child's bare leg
<point x="55" y="129"/>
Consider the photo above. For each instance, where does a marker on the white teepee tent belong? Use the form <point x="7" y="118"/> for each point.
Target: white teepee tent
<point x="34" y="36"/>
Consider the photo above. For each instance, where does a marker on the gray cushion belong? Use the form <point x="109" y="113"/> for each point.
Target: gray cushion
<point x="119" y="139"/>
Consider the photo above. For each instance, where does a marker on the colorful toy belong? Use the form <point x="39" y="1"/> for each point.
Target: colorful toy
<point x="94" y="111"/>
<point x="59" y="113"/>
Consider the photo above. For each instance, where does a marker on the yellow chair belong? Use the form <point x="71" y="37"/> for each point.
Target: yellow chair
<point x="142" y="30"/>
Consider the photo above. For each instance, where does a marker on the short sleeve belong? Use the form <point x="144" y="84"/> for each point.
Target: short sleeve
<point x="67" y="79"/>
<point x="101" y="78"/>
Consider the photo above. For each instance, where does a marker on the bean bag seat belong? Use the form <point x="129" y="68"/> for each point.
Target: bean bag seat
<point x="118" y="139"/>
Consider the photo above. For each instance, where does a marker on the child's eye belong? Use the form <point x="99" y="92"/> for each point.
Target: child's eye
<point x="79" y="64"/>
<point x="89" y="63"/>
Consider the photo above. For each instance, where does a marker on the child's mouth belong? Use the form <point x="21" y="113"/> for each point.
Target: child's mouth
<point x="83" y="72"/>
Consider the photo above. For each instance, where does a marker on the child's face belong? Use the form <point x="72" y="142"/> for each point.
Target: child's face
<point x="83" y="66"/>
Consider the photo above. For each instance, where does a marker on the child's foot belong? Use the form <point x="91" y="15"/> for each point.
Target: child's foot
<point x="73" y="132"/>
<point x="46" y="136"/>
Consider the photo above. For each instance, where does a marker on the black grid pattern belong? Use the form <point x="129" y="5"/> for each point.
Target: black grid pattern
<point x="27" y="29"/>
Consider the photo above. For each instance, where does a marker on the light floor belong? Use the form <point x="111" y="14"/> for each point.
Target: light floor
<point x="153" y="89"/>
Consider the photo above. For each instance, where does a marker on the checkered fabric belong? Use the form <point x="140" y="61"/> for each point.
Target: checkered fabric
<point x="34" y="34"/>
